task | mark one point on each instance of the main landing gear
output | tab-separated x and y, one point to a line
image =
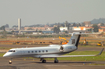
43	60
56	60
10	61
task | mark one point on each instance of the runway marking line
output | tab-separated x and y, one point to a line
88	65
55	65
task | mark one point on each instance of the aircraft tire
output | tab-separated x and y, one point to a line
43	61
10	62
55	61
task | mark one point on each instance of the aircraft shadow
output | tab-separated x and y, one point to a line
60	62
63	62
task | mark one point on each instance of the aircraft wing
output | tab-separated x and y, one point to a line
53	56
75	55
82	55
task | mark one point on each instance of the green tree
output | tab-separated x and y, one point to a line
95	28
56	30
102	24
2	28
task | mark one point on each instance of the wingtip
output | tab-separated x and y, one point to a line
100	52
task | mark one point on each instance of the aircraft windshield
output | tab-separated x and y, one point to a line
11	51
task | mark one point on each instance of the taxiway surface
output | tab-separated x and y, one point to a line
36	64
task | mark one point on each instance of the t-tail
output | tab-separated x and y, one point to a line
75	37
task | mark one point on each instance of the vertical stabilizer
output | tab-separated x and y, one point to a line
74	39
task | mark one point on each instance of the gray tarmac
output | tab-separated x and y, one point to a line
20	63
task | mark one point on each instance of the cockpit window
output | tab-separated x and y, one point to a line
11	51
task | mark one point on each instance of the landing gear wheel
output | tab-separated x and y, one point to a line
10	62
55	61
43	61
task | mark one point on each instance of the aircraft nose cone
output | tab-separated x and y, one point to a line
6	55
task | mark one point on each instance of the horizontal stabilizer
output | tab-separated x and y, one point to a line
100	52
79	33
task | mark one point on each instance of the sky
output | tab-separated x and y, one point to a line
34	12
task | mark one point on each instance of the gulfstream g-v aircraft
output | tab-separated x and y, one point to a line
51	51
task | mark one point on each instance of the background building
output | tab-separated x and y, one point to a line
19	24
79	28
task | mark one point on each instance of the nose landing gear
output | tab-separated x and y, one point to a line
10	61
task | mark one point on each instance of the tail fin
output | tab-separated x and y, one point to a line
74	39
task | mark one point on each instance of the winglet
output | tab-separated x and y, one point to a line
100	52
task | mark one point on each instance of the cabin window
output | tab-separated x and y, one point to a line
32	51
28	51
36	51
42	50
46	50
39	51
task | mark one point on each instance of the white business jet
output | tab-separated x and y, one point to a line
51	51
